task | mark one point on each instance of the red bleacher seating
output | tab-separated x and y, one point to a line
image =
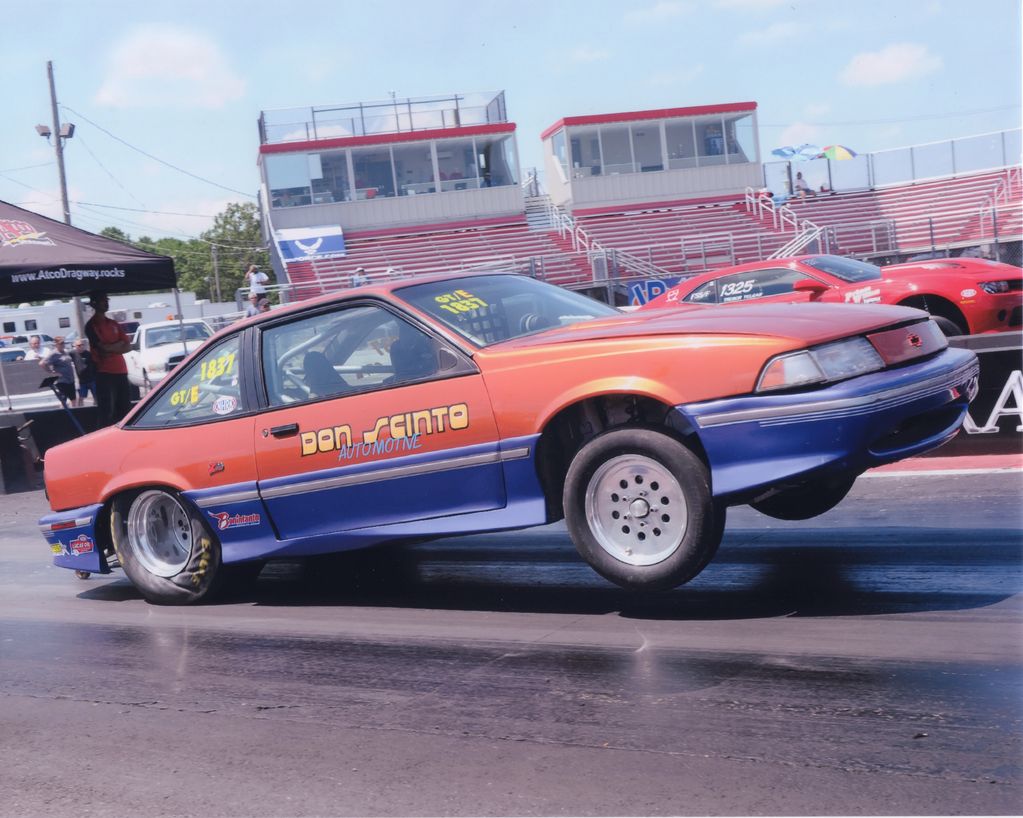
512	245
905	218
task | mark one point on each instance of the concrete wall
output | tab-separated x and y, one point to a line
667	185
402	211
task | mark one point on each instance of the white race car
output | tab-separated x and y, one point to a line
158	348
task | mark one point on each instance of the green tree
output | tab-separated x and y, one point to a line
238	242
235	240
116	234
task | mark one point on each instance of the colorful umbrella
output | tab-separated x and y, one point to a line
836	152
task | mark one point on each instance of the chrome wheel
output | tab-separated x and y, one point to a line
636	509
160	531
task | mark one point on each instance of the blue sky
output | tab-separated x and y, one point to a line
185	81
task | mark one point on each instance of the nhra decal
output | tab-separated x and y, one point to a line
226	519
643	292
14	232
80	545
387	430
864	295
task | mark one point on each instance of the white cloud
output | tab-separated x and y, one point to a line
168	66
899	62
683	76
773	35
658	12
587	54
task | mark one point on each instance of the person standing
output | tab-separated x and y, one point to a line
85	369
108	343
36	351
252	308
256	280
59	363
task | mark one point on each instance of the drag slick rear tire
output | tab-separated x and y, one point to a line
165	547
807	501
639	509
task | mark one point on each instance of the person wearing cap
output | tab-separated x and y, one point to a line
359	277
256	280
108	343
252	308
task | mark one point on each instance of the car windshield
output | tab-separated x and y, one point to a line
158	336
493	308
847	269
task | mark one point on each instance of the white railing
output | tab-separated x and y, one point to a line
809	235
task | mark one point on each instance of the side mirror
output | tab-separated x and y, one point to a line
810	286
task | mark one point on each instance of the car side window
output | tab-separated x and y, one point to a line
704	294
778	281
209	389
344	351
739	287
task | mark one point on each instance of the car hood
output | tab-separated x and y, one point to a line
806	323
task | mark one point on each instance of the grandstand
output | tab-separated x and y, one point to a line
649	194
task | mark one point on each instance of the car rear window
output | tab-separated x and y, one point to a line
847	269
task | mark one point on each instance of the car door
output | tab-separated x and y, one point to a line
371	420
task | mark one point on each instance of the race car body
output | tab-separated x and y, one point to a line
451	405
158	347
965	296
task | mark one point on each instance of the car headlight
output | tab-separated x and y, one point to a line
994	287
829	362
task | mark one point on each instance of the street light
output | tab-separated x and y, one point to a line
65	131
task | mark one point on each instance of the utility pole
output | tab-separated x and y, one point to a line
58	142
59	135
215	293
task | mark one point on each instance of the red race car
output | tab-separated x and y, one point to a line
965	296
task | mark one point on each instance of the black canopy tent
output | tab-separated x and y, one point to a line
42	258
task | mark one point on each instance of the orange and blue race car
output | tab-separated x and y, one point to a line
452	405
965	296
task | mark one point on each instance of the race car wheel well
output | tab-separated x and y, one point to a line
940	307
575	425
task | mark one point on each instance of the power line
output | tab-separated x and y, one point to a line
144	210
27	167
170	234
156	158
107	172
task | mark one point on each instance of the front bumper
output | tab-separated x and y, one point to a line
71	536
760	441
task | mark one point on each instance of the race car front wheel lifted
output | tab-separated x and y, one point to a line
165	547
639	509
